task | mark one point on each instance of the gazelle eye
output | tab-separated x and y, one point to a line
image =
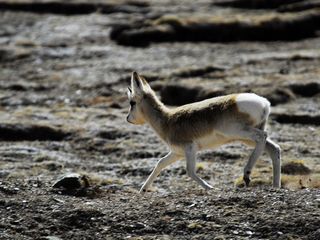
132	103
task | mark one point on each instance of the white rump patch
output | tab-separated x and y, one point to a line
257	107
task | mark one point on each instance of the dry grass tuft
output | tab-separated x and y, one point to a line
256	180
200	167
299	180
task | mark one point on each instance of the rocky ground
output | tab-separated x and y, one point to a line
64	69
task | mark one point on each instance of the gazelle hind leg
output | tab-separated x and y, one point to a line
259	137
274	152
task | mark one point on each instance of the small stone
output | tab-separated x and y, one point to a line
194	225
235	232
51	238
249	232
220	237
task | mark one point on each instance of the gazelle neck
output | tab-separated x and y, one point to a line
156	114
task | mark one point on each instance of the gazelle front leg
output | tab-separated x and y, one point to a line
161	164
190	152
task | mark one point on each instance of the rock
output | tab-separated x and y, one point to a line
72	181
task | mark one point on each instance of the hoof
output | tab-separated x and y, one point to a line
246	181
209	188
142	191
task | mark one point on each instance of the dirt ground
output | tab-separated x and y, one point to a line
64	70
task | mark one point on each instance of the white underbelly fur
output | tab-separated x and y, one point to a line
213	140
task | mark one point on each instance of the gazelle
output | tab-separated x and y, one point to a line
201	125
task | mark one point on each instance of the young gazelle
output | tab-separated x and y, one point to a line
206	124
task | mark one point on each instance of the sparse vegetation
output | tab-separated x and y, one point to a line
295	167
63	108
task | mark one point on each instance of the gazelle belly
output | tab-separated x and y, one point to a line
213	140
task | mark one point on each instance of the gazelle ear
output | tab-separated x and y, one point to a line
136	83
146	85
139	84
129	92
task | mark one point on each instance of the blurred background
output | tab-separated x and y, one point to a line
65	67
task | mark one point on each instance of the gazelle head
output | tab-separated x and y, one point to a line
136	93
